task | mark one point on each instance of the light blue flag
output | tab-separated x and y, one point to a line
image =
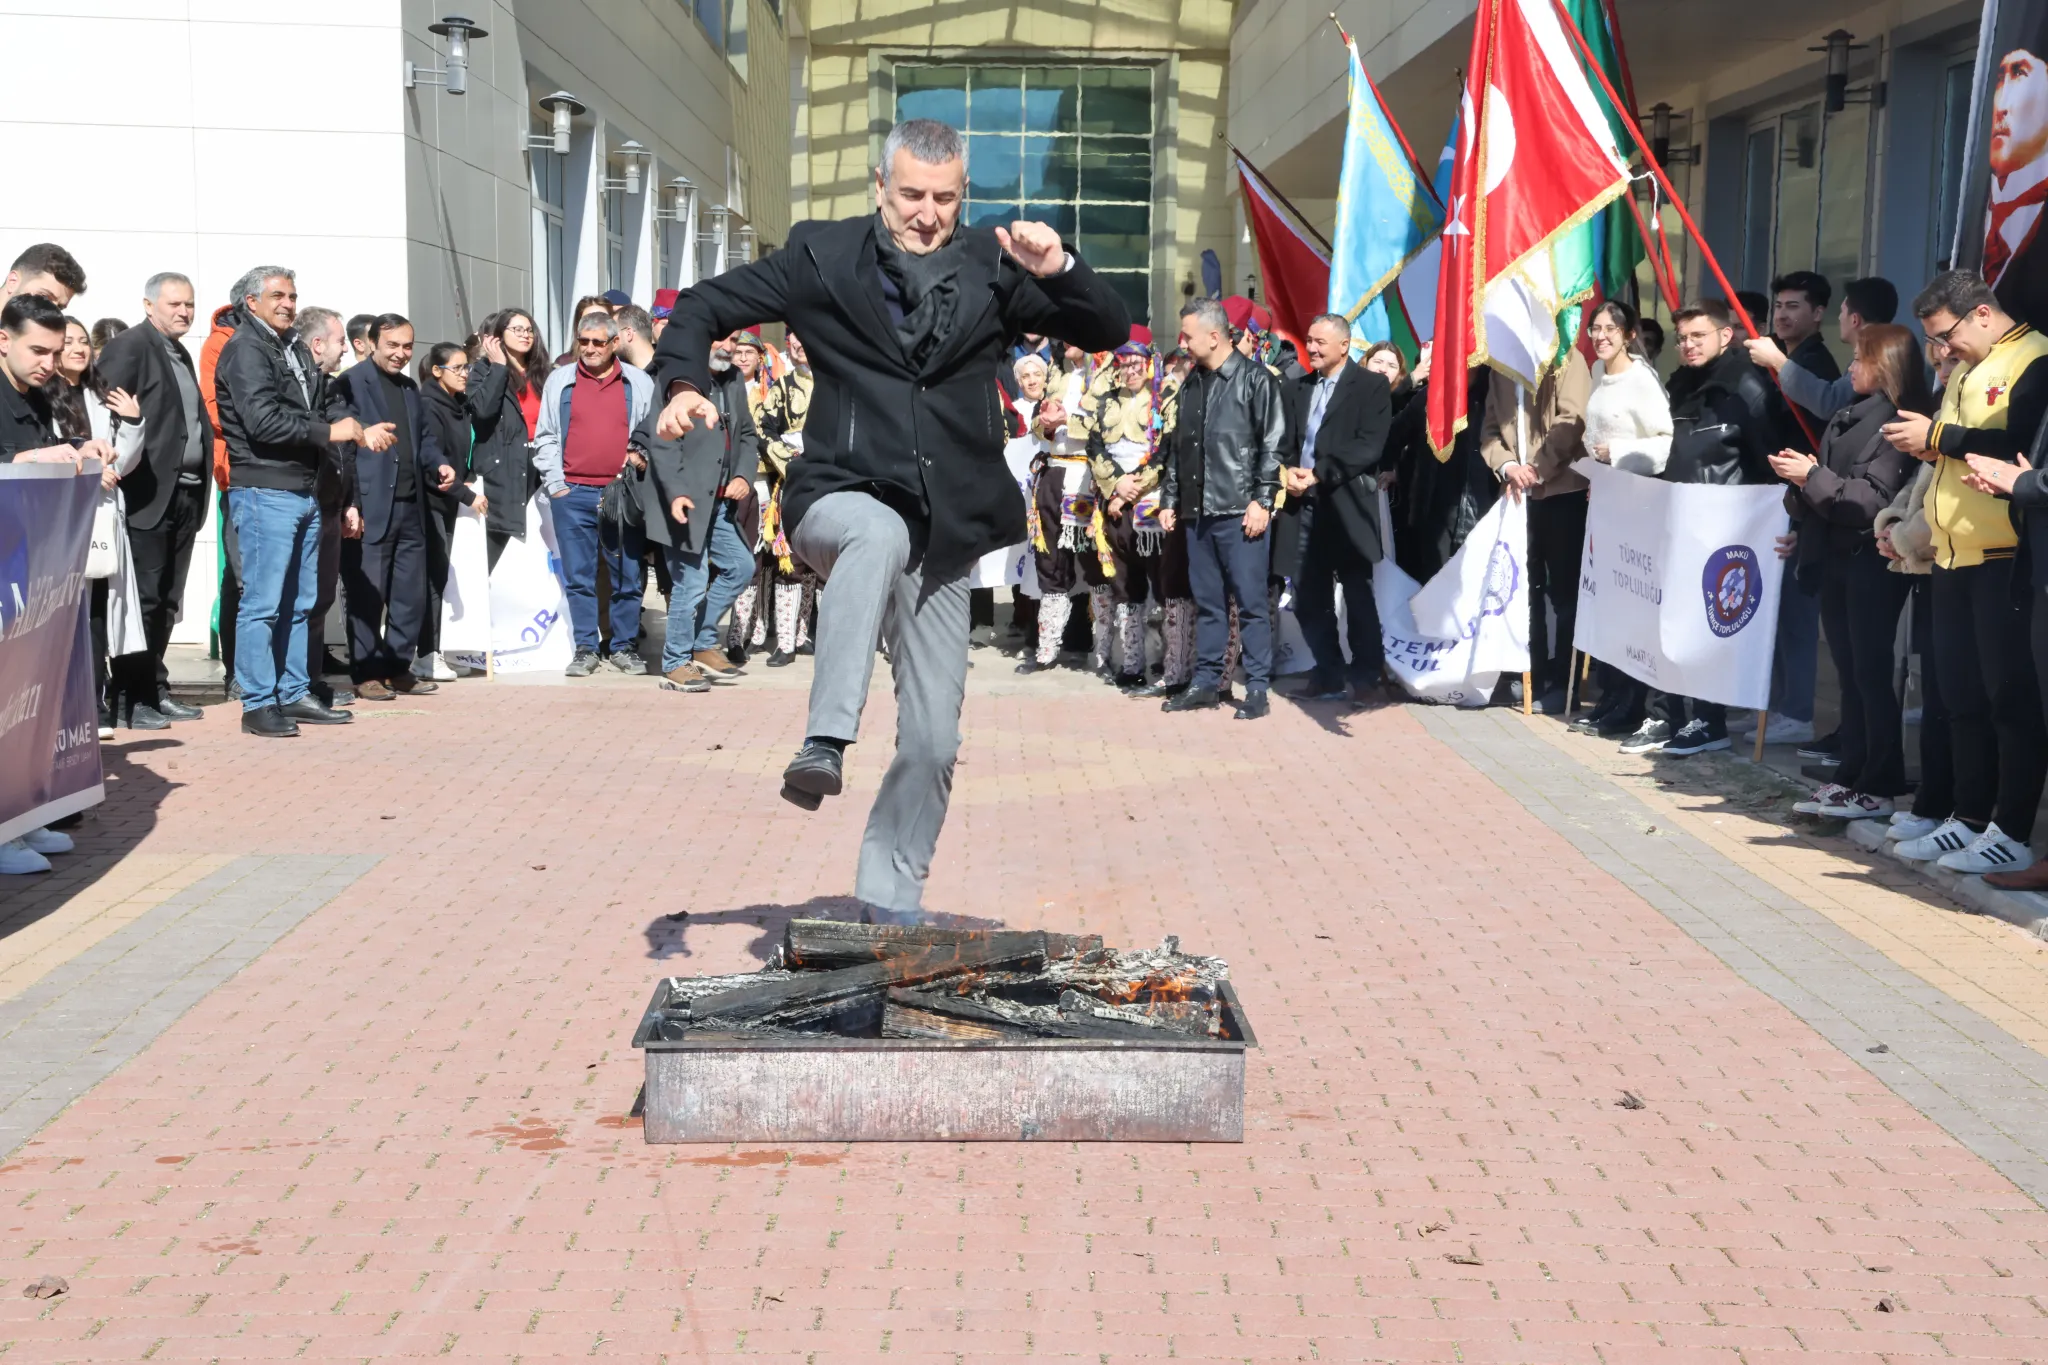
1385	217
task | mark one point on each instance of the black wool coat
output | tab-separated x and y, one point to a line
926	439
499	454
140	361
1351	452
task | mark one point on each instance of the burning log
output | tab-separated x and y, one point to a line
1033	1021
817	944
816	996
907	1021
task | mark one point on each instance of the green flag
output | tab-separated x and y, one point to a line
1620	243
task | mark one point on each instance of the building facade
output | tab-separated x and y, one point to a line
287	133
1778	177
1104	122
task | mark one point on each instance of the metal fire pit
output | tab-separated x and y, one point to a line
726	1087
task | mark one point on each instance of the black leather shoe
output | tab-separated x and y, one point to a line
1130	683
170	708
1254	705
270	722
143	716
1033	666
815	771
1194	699
310	710
1162	688
780	660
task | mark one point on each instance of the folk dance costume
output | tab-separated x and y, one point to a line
789	585
1170	582
1067	551
1118	429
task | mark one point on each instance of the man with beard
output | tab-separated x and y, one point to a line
907	315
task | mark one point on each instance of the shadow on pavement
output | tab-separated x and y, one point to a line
104	835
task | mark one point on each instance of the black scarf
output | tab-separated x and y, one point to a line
922	292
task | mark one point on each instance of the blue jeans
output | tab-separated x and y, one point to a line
1794	664
279	537
1224	564
583	539
703	586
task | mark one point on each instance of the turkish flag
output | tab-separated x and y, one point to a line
1535	158
1293	265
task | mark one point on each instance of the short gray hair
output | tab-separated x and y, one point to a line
252	283
154	285
1337	320
926	139
1027	362
313	322
1209	313
597	320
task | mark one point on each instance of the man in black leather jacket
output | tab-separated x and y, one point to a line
1725	428
1222	472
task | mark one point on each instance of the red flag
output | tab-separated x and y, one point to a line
1535	158
1295	268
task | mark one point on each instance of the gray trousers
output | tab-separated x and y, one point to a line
872	595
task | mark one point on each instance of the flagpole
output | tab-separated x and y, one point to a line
1414	162
1260	176
1521	494
1564	17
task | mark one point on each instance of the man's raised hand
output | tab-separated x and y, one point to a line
683	413
1034	246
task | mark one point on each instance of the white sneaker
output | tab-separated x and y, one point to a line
106	733
1906	825
1858	806
47	841
17	858
431	668
1832	794
1991	851
1950	836
1785	730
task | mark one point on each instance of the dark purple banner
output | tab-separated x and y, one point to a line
49	721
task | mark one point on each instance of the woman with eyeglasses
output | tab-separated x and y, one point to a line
506	371
443	373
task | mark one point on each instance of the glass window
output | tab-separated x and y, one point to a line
1760	178
711	14
550	245
736	36
938	92
1844	162
1955	130
1798	190
614	204
1052	100
1069	146
1116	99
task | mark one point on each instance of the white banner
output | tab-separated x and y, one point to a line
1010	566
528	615
1679	586
1478	609
466	597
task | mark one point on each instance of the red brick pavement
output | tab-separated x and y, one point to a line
400	1132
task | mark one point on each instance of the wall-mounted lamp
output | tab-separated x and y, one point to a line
683	189
746	238
1187	285
455	75
632	154
1660	139
1838	45
711	231
561	107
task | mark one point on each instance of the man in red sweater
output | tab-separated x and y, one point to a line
587	410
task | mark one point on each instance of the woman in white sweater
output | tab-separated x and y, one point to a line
1628	425
1628	418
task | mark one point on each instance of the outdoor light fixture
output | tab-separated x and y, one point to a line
561	106
454	76
746	238
632	153
1838	45
712	230
684	189
1660	139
